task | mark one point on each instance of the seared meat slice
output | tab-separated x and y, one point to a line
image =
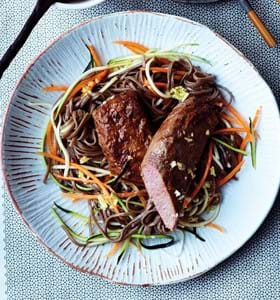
169	164
123	133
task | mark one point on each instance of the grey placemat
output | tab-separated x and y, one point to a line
251	273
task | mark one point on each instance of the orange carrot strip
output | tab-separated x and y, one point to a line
237	115
203	178
79	196
94	55
228	118
55	88
158	70
243	145
229	130
216	226
69	178
257	117
248	137
162	60
102	185
157	84
114	249
133	46
207	168
96	78
135	50
133	193
50	139
230	175
143	201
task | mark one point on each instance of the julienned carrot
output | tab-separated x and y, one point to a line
230	175
94	55
50	139
143	201
207	168
248	136
79	196
243	123
257	117
229	118
102	185
243	145
133	46
237	115
157	84
162	60
216	226
87	196
158	70
133	193
229	130
203	178
55	88
95	79
135	50
114	249
69	178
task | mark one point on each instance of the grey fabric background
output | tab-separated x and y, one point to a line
252	273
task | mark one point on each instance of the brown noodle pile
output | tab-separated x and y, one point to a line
138	213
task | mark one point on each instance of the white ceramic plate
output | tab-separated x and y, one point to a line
246	202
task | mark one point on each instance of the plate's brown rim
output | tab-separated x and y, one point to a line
4	122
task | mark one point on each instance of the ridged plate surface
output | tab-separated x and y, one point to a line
246	202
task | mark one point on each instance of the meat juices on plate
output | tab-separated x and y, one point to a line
123	133
176	148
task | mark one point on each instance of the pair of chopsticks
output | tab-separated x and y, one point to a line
255	19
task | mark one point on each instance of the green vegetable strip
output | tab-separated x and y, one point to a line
83	188
253	145
100	236
243	152
157	53
72	213
120	201
123	249
97	239
152	236
89	66
70	230
66	188
136	203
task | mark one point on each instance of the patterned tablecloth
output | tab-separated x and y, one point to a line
32	273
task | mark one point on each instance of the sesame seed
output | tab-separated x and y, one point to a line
173	164
212	171
177	193
180	166
189	140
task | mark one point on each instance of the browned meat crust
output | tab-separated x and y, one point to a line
123	132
